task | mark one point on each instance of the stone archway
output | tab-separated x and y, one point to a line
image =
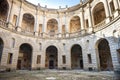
52	27
4	7
1	48
75	25
105	59
24	57
28	22
99	13
51	61
76	57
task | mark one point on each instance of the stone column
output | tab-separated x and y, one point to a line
9	19
90	22
107	11
82	18
44	23
67	26
116	4
36	25
9	12
59	27
20	16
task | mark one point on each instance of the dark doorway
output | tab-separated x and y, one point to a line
51	64
105	55
1	48
76	57
51	57
24	58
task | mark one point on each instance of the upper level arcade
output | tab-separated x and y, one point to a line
84	18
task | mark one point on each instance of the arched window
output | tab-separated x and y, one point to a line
4	6
99	13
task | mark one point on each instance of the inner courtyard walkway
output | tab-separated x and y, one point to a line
56	75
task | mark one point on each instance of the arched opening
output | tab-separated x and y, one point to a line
51	57
76	57
24	57
4	7
75	25
28	23
99	13
1	48
52	27
105	55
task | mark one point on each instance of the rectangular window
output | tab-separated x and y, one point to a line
38	59
86	23
64	59
89	58
112	6
63	29
40	44
14	20
40	28
9	61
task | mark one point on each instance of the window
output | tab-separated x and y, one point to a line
64	59
40	44
63	29
40	28
112	6
13	43
9	61
89	58
14	20
38	59
86	23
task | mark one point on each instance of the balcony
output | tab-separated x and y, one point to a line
28	32
63	36
3	23
99	26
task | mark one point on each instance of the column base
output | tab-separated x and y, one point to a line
90	30
18	29
59	35
36	33
107	20
10	26
116	13
67	34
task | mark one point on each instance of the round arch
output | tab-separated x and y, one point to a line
4	8
75	24
28	22
51	60
76	57
25	56
52	27
104	55
98	13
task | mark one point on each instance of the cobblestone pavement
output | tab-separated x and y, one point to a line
56	75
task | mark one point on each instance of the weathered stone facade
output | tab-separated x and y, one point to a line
37	28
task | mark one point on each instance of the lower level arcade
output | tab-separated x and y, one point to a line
59	57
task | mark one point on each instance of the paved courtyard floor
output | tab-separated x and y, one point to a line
56	75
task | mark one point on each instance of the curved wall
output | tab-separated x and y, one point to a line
87	37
